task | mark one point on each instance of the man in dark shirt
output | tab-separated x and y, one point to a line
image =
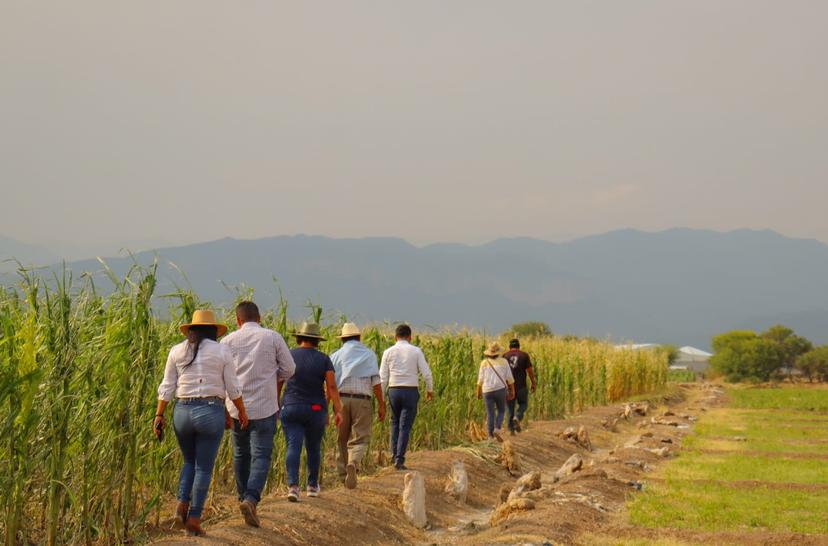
521	366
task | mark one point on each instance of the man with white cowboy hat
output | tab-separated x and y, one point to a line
357	376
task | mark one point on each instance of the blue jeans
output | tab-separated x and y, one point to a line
495	400
252	455
303	424
404	402
521	399
199	427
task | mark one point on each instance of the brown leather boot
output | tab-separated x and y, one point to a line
248	510
193	527
181	512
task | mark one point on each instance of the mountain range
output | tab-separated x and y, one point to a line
678	286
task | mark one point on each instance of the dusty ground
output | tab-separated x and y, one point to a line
578	509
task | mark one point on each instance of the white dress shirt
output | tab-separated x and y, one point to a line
211	374
400	365
495	374
261	359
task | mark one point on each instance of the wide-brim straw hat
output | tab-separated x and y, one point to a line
309	329
349	329
204	317
494	350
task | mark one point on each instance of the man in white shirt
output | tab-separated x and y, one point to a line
401	366
263	362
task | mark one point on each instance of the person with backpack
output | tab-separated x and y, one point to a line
495	385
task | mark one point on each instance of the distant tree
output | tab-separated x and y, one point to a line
742	355
814	364
672	353
531	329
790	345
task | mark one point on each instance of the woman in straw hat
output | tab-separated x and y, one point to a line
495	385
199	373
305	408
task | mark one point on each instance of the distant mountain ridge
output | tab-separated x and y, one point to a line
677	286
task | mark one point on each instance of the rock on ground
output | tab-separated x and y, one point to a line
413	499
457	485
572	465
513	506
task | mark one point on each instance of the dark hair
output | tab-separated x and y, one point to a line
403	331
198	333
514	344
312	340
247	311
351	338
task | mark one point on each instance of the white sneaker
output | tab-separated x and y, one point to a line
313	491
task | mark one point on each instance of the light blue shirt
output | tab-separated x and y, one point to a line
354	360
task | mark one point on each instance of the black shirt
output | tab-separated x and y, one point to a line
519	362
307	386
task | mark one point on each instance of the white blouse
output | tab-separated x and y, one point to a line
494	374
211	374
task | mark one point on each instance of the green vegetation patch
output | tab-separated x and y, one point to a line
796	398
695	465
714	507
702	489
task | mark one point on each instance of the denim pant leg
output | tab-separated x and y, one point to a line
522	398
500	406
488	399
208	421
396	408
510	405
261	447
241	456
314	432
294	428
185	434
404	405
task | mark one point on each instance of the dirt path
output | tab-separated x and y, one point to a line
623	452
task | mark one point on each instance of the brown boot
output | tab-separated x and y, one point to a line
193	527
181	512
248	510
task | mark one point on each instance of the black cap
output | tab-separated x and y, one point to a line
514	344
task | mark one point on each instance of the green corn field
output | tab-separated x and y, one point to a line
79	368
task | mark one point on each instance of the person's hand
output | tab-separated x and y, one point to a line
243	420
381	412
511	396
338	418
228	420
533	388
429	396
479	395
158	425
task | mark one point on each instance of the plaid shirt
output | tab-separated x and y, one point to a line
262	358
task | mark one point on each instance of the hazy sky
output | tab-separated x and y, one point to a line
430	120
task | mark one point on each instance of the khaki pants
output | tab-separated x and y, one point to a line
354	432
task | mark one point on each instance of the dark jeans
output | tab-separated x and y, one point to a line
404	402
199	426
521	400
252	455
495	400
303	424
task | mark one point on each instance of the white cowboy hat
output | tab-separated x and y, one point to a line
349	329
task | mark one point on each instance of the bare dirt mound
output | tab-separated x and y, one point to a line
610	448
